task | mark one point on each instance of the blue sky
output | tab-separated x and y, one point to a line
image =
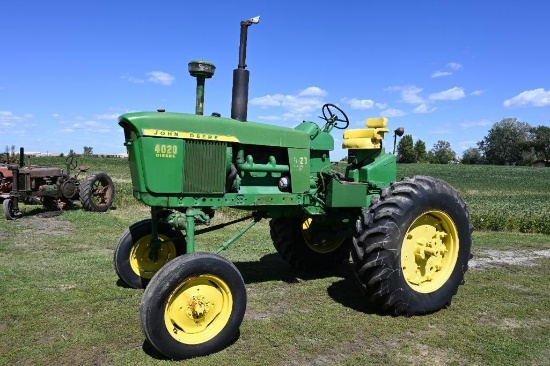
444	70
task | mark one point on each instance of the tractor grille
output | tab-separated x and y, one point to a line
204	167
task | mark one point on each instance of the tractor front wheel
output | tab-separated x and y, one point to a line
9	211
193	306
97	192
298	241
413	250
131	258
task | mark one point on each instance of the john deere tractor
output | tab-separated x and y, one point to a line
409	241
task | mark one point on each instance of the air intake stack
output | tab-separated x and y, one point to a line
201	70
239	101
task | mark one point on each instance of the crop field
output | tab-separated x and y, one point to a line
61	303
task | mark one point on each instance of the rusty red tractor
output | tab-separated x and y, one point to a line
52	187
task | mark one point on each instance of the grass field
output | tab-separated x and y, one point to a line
61	303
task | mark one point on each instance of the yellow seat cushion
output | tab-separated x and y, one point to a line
362	133
361	143
378	122
369	138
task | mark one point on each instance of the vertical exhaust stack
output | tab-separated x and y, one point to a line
239	100
21	157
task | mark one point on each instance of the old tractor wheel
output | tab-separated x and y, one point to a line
193	306
294	238
131	257
413	250
9	211
48	202
97	192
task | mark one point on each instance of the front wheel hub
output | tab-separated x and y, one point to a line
199	309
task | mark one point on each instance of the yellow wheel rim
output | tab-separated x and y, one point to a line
139	256
430	251
198	309
319	246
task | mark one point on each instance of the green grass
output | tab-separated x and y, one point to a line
61	304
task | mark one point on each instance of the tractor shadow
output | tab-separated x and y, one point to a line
344	290
31	210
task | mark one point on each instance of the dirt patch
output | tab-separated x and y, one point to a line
490	258
44	225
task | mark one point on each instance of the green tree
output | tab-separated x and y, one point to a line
88	151
471	156
540	141
441	153
505	142
420	148
405	150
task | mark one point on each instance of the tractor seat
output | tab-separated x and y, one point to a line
369	138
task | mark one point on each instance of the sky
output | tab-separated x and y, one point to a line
443	70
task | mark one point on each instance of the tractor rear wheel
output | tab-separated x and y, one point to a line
414	247
193	306
295	239
48	202
97	192
9	211
131	257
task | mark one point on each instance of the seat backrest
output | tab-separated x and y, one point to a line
378	122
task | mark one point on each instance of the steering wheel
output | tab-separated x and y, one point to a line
333	118
71	162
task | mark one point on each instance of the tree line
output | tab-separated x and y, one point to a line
508	142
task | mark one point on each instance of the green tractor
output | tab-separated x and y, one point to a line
409	240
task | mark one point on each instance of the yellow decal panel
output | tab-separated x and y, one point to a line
188	135
166	151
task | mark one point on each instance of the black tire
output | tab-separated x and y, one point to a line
48	202
7	205
97	192
413	247
131	261
289	238
193	306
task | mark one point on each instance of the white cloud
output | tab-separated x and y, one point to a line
111	116
481	123
267	101
536	98
312	91
381	105
359	103
156	77
451	65
450	94
133	79
442	131
423	108
410	95
160	77
86	126
9	119
439	74
298	106
270	118
392	113
477	92
454	66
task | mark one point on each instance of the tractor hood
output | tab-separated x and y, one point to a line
192	126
